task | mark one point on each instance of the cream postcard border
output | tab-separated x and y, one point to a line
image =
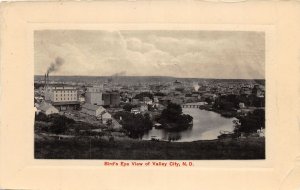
277	19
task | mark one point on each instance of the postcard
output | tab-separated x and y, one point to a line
160	95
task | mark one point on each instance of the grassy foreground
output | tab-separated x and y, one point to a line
84	148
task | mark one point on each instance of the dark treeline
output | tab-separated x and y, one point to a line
58	124
142	95
251	122
231	102
134	124
173	119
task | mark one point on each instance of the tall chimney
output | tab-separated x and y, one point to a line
45	81
47	78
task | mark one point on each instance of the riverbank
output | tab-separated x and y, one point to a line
129	149
224	113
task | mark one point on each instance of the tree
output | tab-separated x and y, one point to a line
227	102
159	94
60	124
173	119
141	95
135	124
209	100
252	122
172	112
42	117
128	107
109	122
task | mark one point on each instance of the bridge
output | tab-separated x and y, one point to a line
193	105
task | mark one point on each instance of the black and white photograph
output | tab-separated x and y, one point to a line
149	94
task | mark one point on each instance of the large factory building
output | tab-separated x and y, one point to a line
111	99
62	97
93	95
96	96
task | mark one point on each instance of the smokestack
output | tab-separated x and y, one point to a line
45	81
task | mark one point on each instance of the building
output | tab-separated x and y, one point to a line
105	117
256	91
106	99
47	109
143	107
147	100
261	132
62	97
193	105
93	95
242	105
135	110
210	96
114	99
176	85
81	99
111	99
135	101
61	94
93	110
245	91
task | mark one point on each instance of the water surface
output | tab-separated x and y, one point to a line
206	126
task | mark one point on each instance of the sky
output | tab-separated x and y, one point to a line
187	54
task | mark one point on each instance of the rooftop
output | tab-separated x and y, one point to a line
92	107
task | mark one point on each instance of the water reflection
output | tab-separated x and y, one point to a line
206	126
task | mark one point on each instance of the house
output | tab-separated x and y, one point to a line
135	101
176	100
47	108
155	99
159	107
245	110
157	125
93	110
242	105
144	107
256	91
261	132
147	100
209	95
245	91
135	110
36	110
105	116
81	99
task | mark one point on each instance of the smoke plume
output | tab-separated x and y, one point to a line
54	66
196	86
122	73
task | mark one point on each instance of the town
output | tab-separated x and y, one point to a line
118	108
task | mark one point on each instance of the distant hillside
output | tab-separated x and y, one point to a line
138	79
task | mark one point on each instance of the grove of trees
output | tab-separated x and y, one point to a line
231	102
141	95
135	124
251	123
173	119
58	123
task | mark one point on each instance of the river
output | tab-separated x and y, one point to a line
206	126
